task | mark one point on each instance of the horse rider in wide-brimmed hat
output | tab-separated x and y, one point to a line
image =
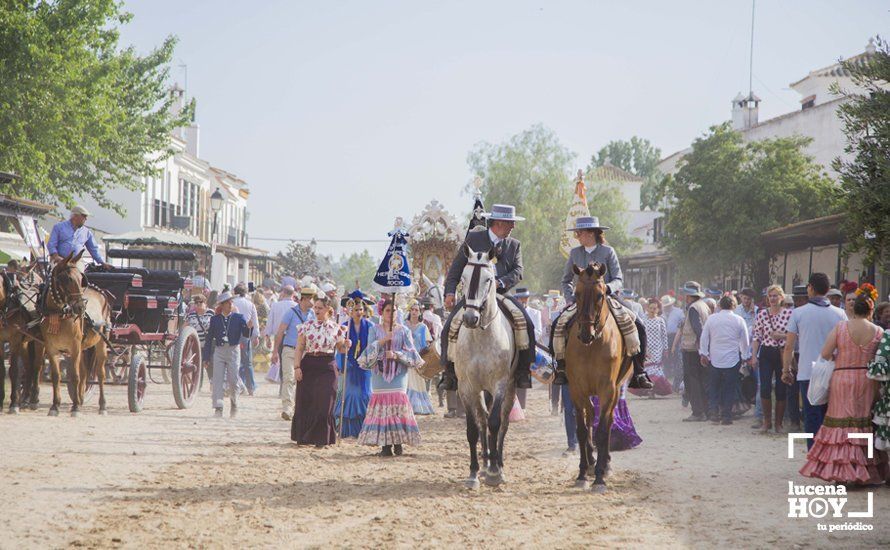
508	271
593	248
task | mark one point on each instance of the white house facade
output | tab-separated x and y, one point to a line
176	201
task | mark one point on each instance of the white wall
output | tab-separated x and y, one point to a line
820	123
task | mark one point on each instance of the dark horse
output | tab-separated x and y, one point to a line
75	317
25	349
596	365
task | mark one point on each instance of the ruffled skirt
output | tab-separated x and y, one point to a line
418	395
835	457
389	421
624	435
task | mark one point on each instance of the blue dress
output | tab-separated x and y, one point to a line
418	395
358	380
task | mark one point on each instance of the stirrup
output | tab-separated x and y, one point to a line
640	382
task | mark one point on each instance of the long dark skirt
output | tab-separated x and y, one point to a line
313	422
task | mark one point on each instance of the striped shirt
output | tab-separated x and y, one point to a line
201	323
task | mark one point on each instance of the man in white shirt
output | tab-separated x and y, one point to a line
724	346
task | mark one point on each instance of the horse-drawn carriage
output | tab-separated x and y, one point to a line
149	330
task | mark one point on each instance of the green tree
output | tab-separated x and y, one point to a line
300	260
727	193
533	171
78	114
607	202
639	157
357	268
865	178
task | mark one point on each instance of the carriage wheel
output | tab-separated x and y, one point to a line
92	381
186	368
138	382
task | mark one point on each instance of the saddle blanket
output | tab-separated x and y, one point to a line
624	317
513	313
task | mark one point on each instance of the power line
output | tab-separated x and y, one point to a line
281	239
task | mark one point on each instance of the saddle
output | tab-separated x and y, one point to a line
624	318
513	313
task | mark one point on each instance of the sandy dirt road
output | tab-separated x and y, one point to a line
171	478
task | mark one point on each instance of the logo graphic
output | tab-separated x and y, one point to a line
828	501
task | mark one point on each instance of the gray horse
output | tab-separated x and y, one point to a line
484	360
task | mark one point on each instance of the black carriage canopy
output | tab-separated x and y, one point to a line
151	254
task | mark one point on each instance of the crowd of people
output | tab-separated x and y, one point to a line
347	366
723	352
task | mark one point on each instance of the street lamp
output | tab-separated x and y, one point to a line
216	202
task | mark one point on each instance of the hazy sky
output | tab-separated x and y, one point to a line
343	115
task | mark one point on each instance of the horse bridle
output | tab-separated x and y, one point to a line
473	290
75	302
584	316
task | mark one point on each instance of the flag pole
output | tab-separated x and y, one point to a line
343	394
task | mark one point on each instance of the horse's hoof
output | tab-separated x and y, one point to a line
582	484
598	488
53	412
33	406
494	480
472	483
14	410
103	412
75	413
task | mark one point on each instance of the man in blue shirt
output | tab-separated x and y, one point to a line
286	340
71	236
809	325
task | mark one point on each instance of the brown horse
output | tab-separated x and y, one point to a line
74	317
596	365
25	351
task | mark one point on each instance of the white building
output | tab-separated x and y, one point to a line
817	119
176	202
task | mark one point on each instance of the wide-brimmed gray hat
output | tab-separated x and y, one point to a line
587	222
692	288
503	212
835	292
224	297
80	210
